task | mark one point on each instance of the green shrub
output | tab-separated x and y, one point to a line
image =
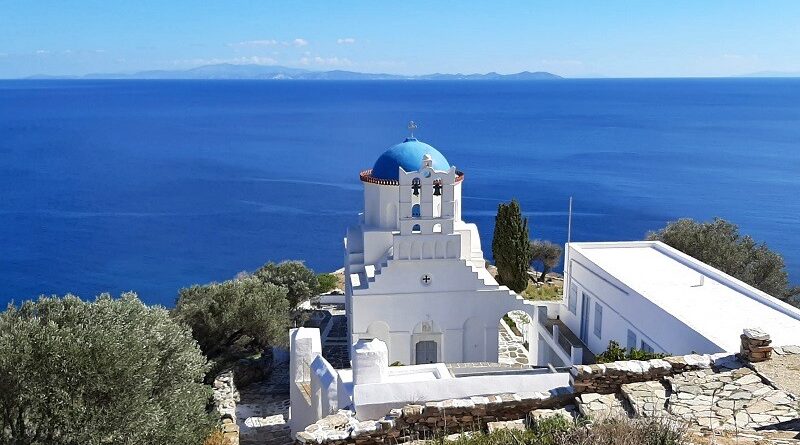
615	353
327	282
112	371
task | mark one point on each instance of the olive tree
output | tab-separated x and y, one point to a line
547	253
719	244
108	371
245	314
300	282
511	246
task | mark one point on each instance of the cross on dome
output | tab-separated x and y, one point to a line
411	127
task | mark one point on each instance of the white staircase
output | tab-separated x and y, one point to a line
362	274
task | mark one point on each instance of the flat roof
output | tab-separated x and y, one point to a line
707	300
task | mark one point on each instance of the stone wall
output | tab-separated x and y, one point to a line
413	422
609	377
225	397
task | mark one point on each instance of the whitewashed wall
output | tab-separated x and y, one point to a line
625	309
375	400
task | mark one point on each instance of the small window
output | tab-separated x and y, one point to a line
416	229
631	339
598	320
646	347
415	211
572	303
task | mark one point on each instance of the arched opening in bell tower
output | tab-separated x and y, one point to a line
437	198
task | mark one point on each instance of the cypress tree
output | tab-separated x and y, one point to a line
511	246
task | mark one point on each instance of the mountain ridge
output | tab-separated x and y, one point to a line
227	71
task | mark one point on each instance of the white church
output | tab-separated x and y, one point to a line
415	271
418	295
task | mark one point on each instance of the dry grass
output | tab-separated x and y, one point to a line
216	438
624	431
558	431
543	291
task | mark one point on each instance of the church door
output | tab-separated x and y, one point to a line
426	352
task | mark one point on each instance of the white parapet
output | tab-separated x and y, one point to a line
370	362
304	347
324	379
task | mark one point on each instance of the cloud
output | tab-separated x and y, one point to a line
346	41
42	51
254	43
264	43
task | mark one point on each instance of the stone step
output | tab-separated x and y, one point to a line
514	425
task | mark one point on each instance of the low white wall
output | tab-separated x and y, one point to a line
373	401
332	299
324	378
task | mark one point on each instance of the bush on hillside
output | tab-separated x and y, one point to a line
327	283
235	318
110	371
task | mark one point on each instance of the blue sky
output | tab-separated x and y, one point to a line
609	38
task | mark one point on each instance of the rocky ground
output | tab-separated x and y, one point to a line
725	404
783	370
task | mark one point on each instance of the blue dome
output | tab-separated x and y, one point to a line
408	155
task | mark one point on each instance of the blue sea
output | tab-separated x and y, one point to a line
155	185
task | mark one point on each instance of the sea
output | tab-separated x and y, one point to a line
151	186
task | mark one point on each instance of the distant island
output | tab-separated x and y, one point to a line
266	72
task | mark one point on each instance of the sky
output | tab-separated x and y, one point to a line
571	38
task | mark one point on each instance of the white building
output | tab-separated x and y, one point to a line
415	272
418	293
651	296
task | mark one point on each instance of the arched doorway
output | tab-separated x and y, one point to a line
512	346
